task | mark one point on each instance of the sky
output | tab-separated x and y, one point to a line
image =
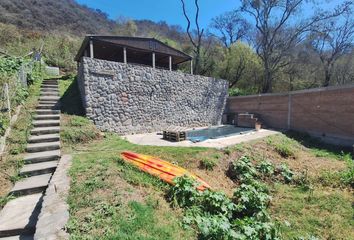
171	10
162	10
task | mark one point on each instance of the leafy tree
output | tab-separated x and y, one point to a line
241	66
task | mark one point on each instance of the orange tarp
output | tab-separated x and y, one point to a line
162	169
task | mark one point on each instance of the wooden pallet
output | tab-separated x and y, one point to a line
174	136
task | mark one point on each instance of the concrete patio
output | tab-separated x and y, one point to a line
155	139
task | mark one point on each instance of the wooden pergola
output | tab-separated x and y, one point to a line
133	50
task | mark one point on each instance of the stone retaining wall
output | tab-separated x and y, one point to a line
129	99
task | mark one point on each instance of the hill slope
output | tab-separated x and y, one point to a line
57	15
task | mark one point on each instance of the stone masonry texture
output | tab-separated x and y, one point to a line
130	99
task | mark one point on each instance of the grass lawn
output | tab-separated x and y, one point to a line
113	200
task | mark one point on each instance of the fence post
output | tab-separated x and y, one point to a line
8	99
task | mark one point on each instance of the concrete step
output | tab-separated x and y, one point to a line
47	106
44	138
41	147
53	103
35	169
49	94
42	156
31	185
47	111
49	98
47	117
45	130
46	123
53	85
50	90
19	216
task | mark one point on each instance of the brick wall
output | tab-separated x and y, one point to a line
324	112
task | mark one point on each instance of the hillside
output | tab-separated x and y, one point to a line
49	15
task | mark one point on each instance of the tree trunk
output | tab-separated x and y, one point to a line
267	83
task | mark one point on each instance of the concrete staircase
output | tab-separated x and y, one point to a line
19	216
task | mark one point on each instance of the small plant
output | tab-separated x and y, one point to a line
184	193
242	169
303	181
208	163
285	150
266	168
285	172
5	199
217	203
227	151
251	198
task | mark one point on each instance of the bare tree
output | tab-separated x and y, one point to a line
197	40
331	41
278	31
231	26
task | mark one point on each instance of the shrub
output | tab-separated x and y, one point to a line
242	169
208	163
184	193
285	172
251	198
254	229
266	168
217	203
285	150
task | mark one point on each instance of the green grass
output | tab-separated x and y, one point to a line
326	212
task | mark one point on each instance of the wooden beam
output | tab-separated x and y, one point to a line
153	59
125	54
91	49
170	62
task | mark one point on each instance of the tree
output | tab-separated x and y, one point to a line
240	66
125	27
332	40
197	41
231	27
278	32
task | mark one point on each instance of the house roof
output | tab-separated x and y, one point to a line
136	44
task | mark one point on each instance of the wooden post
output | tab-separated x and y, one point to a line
125	54
170	62
192	67
153	59
91	49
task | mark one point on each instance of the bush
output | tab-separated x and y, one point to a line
218	217
184	193
251	198
242	169
285	150
266	168
285	172
208	163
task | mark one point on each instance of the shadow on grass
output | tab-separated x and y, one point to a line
316	143
71	100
